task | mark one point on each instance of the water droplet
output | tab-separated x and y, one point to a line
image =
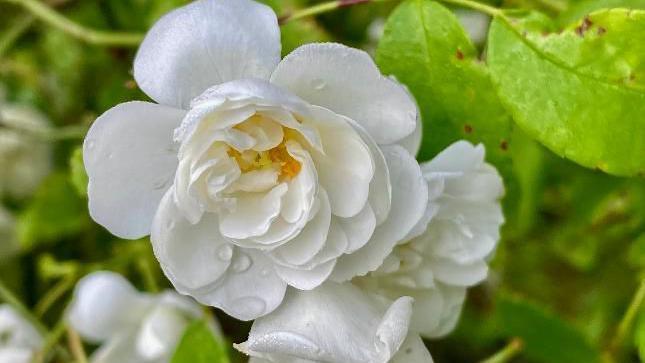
110	155
242	263
318	84
170	224
225	253
247	307
90	144
264	272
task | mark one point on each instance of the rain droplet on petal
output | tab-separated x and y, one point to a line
242	263
170	224
264	272
225	253
160	184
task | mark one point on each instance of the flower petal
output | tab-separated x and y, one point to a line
205	43
248	290
409	202
332	323
104	304
192	256
130	160
412	351
347	81
346	167
306	279
160	332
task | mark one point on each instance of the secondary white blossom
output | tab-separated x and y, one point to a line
336	323
253	173
448	251
19	340
131	327
24	160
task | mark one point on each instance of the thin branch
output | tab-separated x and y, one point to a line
625	326
510	351
321	8
76	346
89	35
487	9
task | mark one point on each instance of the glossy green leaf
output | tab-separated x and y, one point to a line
425	47
198	345
580	9
580	92
546	336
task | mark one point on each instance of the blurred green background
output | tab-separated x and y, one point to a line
569	265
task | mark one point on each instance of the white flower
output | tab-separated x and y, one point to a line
19	340
254	173
24	160
336	323
132	327
440	259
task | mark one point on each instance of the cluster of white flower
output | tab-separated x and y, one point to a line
19	339
287	192
131	327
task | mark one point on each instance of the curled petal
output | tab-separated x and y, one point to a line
332	323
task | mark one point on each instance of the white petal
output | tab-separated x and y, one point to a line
122	348
17	331
160	332
252	214
412	351
412	142
305	279
310	240
451	273
456	158
205	43
409	202
105	304
192	256
437	310
347	81
358	229
130	160
332	323
15	355
346	168
248	290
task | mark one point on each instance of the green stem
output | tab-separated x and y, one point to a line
8	297
76	346
148	274
322	8
55	293
625	326
487	9
19	27
51	342
92	36
512	349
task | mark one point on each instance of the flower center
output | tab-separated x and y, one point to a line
277	158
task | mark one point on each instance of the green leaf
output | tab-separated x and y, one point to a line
580	9
639	335
198	345
547	337
55	212
78	176
425	47
580	92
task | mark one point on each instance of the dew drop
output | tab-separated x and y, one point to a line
225	253
242	263
264	272
318	84
90	144
170	224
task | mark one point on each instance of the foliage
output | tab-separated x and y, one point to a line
556	94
